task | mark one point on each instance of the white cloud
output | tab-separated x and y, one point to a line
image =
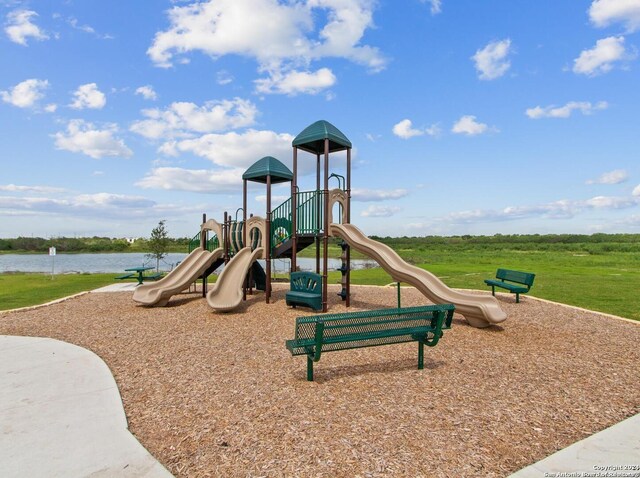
182	119
636	191
347	22
262	199
435	6
365	195
585	107
280	36
404	129
83	28
200	180
88	96
468	125
562	209
26	93
433	130
600	58
605	12
235	150
380	211
103	205
19	27
51	108
491	61
616	176
223	77
295	82
264	29
31	189
609	202
147	92
87	29
83	137
115	200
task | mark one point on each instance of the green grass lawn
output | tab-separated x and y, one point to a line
22	290
607	282
604	282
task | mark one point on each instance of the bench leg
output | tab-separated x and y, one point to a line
309	369
420	355
493	290
517	297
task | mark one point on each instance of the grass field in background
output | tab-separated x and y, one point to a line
22	289
607	281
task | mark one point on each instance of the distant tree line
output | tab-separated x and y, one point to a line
593	243
87	244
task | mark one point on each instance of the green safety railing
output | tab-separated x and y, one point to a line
309	219
212	244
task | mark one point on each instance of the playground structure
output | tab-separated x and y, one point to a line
304	219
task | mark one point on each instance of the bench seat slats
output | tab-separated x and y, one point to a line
342	342
506	285
335	332
516	282
125	276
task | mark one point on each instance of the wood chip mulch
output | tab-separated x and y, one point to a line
217	395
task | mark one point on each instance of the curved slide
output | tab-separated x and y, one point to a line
479	310
159	293
226	293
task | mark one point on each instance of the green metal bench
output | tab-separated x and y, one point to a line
125	276
327	333
518	282
306	289
153	276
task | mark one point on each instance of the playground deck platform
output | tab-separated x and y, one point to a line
488	403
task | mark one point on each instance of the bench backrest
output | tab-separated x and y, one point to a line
525	278
369	328
306	282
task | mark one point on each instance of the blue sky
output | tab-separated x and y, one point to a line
475	117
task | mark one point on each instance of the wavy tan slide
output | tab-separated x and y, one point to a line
479	310
226	293
159	293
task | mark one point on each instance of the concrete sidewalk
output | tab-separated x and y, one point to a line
61	415
119	287
597	455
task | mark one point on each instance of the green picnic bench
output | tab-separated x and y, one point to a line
306	289
125	276
154	276
327	333
515	282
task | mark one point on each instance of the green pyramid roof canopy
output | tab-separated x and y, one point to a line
265	167
312	138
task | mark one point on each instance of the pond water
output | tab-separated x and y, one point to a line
118	262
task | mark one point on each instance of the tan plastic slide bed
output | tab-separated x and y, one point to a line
479	310
159	293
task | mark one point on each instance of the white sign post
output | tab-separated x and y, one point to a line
52	253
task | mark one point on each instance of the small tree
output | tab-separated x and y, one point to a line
158	243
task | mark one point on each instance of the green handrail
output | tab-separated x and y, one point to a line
309	218
212	244
194	243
